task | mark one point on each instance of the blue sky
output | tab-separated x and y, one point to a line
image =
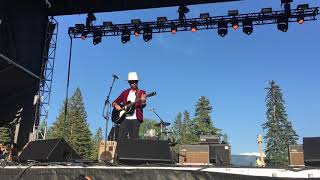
232	71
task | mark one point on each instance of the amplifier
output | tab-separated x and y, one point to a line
107	151
296	156
209	139
220	154
193	155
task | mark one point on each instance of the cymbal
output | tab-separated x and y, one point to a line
163	124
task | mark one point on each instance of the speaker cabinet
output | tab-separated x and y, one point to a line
107	151
311	149
296	155
193	155
141	151
220	154
52	150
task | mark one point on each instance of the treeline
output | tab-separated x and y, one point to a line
279	132
187	129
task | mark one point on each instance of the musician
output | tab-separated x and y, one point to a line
130	126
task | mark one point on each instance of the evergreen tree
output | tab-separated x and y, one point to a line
177	128
59	128
280	133
98	137
5	136
202	122
75	130
188	135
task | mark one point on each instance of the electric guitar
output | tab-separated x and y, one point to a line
118	116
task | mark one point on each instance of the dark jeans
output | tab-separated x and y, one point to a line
131	127
114	133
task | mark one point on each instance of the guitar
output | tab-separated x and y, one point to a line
118	116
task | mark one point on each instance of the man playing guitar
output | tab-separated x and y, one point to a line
131	124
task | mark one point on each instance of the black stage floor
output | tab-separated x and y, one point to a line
59	172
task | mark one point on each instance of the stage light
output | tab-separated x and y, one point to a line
173	29
135	21
147	34
204	15
136	32
84	35
302	7
194	27
266	10
233	13
247	26
300	20
97	37
283	24
108	24
222	28
79	27
235	25
162	19
90	18
125	35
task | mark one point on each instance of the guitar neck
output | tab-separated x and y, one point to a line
133	103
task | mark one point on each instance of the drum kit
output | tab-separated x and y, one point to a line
164	133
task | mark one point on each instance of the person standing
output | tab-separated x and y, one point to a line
130	126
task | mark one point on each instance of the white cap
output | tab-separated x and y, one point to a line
132	76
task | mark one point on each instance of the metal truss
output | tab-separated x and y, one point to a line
42	99
210	22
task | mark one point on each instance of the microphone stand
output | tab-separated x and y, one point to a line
106	108
161	122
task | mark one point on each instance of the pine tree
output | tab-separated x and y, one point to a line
98	137
177	128
188	135
76	129
280	133
59	128
202	122
5	136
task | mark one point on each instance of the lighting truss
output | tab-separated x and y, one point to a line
211	22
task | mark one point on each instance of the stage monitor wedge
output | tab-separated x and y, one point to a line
143	151
52	150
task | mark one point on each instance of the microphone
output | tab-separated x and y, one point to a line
115	76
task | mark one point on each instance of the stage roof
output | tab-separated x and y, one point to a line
68	7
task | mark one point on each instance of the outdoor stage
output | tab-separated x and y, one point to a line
59	172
